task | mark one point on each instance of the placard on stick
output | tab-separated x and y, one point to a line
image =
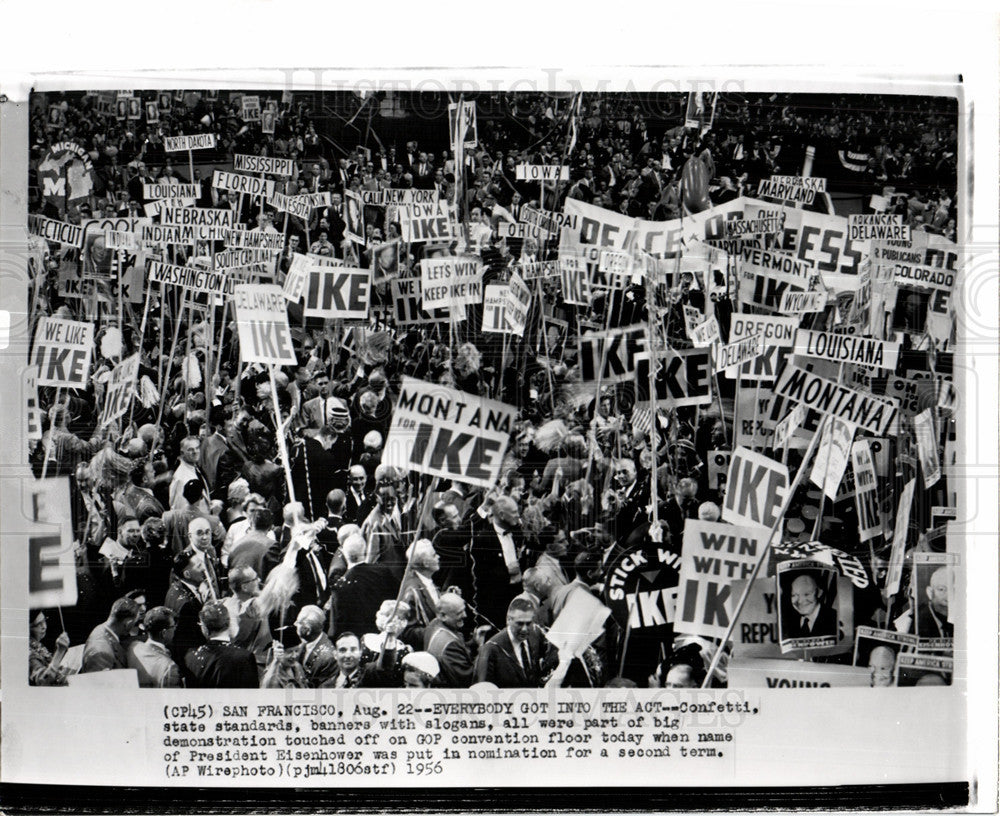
262	320
62	352
445	432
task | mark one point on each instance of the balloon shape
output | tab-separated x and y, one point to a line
694	178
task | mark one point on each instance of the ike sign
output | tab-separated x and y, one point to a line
757	488
449	433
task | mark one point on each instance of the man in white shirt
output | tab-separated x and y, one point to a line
187	469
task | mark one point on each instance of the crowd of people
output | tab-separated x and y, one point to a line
261	541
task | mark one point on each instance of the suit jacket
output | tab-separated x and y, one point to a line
218	664
492	589
497	663
632	511
932	625
218	464
103	651
452	653
358	595
321	664
824	625
153	664
186	606
355	511
420	600
311	583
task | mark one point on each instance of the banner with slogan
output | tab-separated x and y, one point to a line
250	108
120	389
542	172
617	349
495	309
262	321
765	276
518	303
195	141
243	163
407	299
792	674
448	433
426	222
190	277
683	377
822	239
51	550
755	489
453	280
59	232
641	589
62	352
712	557
739	352
865	491
831	456
846	348
160	191
237	183
866	411
779	337
704	334
295	281
338	292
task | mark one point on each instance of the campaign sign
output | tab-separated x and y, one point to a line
197	141
451	281
791	674
448	433
51	555
617	349
641	588
542	172
60	232
495	309
120	389
867	412
262	321
518	303
683	377
779	337
243	163
756	489
406	301
338	292
237	183
713	556
62	352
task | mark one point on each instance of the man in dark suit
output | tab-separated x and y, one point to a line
418	588
810	616
443	639
185	600
316	653
217	663
932	615
359	502
217	462
358	595
513	658
634	498
311	567
496	550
